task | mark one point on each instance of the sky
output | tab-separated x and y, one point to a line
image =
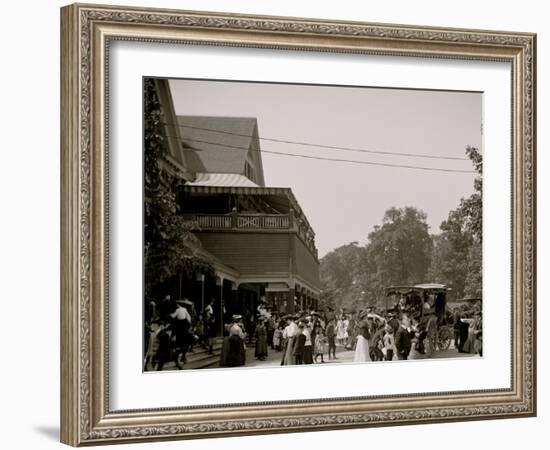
344	201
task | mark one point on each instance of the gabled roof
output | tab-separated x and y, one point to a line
221	151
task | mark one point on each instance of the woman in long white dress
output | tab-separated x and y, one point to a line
362	347
345	325
289	334
341	330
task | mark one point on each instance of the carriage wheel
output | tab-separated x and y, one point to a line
444	338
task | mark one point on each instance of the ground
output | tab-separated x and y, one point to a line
200	359
343	356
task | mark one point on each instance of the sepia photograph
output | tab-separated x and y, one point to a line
294	224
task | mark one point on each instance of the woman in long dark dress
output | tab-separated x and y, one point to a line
260	333
236	355
464	327
233	350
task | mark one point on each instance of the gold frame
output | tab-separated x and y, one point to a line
86	31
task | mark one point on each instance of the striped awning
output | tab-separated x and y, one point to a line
222	179
203	184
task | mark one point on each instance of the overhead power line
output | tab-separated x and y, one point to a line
322	158
333	147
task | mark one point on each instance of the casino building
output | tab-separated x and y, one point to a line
257	238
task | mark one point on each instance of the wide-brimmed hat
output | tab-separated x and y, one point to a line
236	317
184	301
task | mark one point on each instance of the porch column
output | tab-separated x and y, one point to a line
234	295
219	282
290	303
200	278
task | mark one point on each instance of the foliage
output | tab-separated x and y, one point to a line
397	252
341	274
170	247
450	257
473	284
472	207
401	251
456	259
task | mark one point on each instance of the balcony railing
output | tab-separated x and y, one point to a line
271	222
246	221
239	221
213	221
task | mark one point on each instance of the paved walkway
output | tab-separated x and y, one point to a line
274	358
344	356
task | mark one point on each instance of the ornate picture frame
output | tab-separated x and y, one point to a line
86	34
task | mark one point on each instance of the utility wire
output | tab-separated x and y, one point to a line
321	158
334	147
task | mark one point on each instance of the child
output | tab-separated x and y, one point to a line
389	343
200	331
277	336
320	344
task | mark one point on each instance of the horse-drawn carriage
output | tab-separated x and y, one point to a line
427	304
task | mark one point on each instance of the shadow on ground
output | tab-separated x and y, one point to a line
51	432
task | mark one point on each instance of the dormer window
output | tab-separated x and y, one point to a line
249	171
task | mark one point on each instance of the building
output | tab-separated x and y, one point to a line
257	238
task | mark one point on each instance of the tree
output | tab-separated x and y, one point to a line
169	244
450	256
402	252
398	252
474	279
472	207
341	274
441	269
456	259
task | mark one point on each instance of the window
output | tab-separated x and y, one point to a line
249	171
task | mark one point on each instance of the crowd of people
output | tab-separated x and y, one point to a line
307	337
468	333
173	328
